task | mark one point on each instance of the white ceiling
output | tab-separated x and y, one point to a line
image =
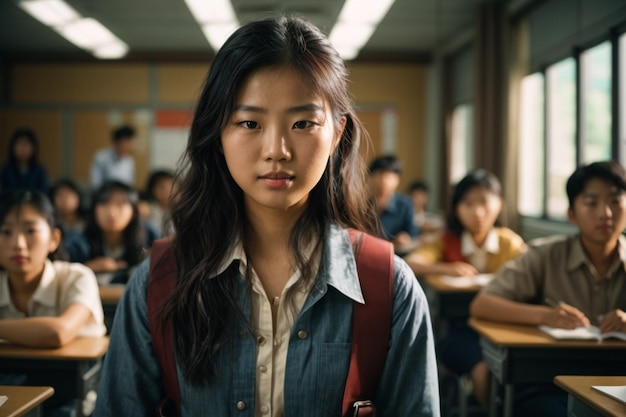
411	29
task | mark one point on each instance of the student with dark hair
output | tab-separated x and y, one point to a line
116	238
156	202
67	200
265	280
45	301
116	162
23	170
394	209
584	275
472	244
428	223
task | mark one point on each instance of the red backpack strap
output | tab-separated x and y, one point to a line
371	322
162	281
452	248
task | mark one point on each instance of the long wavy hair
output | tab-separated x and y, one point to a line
208	212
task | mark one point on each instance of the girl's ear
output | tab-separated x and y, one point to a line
339	133
55	240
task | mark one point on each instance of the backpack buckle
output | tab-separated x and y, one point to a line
363	408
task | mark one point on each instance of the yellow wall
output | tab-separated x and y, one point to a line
93	98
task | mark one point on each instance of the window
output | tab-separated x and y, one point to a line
531	146
595	90
561	133
462	142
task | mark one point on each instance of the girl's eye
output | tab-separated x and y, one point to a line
5	232
302	124
249	124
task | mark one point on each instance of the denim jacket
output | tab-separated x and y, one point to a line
317	359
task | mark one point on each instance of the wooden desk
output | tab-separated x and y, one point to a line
110	296
584	401
23	400
76	366
518	353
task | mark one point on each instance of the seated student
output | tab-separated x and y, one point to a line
471	245
155	204
116	238
23	169
585	273
428	223
67	200
44	302
395	209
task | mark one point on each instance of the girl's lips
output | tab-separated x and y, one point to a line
19	259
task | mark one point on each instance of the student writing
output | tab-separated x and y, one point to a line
585	274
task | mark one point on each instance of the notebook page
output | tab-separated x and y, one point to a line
617	392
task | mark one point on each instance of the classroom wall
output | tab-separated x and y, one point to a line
73	108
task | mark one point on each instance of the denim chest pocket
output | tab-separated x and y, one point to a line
332	371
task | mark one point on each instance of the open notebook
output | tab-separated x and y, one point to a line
477	280
617	392
581	333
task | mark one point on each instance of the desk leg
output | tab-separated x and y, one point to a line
508	400
493	403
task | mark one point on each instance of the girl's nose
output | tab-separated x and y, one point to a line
276	146
20	240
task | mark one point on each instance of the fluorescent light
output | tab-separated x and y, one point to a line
353	34
84	32
111	51
217	33
216	18
87	33
357	22
205	11
49	12
364	11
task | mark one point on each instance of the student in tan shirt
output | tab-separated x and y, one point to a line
584	274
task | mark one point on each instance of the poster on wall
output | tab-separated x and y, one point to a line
169	139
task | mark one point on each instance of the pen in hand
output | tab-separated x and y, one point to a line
565	316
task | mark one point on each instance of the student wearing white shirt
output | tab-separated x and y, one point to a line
116	162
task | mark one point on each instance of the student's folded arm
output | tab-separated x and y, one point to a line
46	332
495	308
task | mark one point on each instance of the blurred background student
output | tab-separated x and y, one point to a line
116	237
44	301
155	202
394	209
428	223
67	200
472	244
115	163
23	170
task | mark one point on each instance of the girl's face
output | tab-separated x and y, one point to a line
115	213
23	149
162	190
478	210
66	200
25	242
278	140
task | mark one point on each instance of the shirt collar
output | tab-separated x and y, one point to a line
337	266
578	256
45	294
392	206
491	245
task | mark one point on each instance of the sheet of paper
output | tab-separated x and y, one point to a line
477	280
591	332
617	392
3	399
